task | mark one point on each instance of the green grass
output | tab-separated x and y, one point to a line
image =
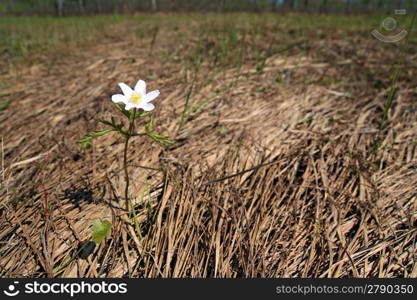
20	36
214	40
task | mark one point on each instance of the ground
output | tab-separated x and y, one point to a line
283	163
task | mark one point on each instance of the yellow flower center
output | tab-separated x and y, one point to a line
136	98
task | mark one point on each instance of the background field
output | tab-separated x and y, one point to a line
283	163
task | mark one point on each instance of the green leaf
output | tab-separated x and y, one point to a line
123	110
100	230
97	133
87	140
116	127
106	122
4	105
142	114
160	139
150	124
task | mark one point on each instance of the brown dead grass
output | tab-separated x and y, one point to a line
266	180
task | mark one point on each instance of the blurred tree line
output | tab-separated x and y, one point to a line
81	7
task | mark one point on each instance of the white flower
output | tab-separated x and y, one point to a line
137	98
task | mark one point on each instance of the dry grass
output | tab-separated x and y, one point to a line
283	172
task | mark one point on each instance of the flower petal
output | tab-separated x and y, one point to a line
119	98
127	91
140	87
129	106
147	106
151	96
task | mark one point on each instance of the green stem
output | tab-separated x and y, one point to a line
129	135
